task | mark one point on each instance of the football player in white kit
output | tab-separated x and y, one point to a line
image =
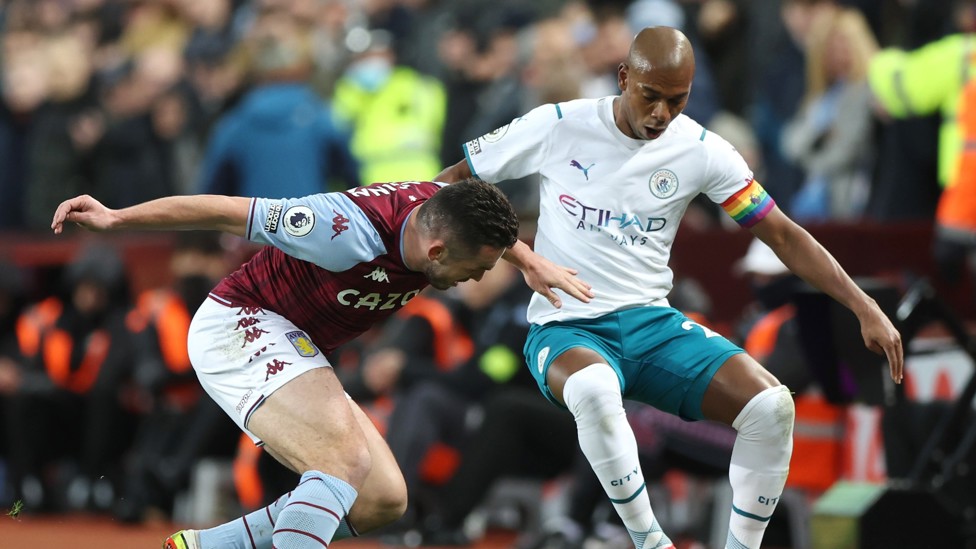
617	174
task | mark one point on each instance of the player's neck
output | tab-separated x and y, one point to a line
412	245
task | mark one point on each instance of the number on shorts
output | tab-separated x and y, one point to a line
689	325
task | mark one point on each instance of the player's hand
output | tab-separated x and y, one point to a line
84	211
881	337
543	275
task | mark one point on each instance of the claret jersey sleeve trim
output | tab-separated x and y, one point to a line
329	230
749	205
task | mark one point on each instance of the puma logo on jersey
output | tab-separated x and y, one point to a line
378	275
586	170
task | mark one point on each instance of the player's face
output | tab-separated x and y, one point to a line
449	271
651	99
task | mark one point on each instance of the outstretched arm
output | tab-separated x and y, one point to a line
210	212
540	274
810	261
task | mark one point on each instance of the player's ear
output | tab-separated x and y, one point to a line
437	251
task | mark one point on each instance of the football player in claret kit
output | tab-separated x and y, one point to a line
617	174
336	264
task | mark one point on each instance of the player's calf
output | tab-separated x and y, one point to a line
760	464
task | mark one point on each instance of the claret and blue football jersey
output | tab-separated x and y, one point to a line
610	205
334	266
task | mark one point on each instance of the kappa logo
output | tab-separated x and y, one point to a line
586	170
299	221
543	355
274	367
274	216
378	275
340	224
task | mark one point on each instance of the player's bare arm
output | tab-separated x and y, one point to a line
810	261
540	274
208	212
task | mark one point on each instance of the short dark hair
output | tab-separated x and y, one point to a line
470	214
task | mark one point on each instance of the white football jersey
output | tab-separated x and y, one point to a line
610	205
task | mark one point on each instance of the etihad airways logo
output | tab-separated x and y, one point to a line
378	275
624	228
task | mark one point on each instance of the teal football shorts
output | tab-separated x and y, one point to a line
661	357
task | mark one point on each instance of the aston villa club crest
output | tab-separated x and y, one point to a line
301	342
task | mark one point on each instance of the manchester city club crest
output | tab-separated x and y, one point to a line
663	183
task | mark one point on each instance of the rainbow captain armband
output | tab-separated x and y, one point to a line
749	205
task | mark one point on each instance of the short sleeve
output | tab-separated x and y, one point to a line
732	185
329	230
514	150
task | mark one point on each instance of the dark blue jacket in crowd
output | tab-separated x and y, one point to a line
278	142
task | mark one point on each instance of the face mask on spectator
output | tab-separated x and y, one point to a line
370	74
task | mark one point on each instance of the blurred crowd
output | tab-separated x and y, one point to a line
130	100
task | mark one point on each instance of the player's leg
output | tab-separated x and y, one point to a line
750	399
310	427
383	495
382	499
581	379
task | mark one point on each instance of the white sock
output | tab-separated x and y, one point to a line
607	440
760	464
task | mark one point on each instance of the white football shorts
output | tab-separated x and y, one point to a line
243	354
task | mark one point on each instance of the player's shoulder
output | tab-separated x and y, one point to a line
582	108
689	129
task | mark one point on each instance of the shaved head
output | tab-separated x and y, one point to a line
660	48
654	81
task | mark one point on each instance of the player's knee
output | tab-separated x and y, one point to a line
351	462
383	504
768	419
593	393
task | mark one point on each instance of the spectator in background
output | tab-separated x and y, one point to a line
938	77
177	424
831	136
768	330
24	92
394	114
127	159
77	359
13	298
65	128
280	140
780	86
437	411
